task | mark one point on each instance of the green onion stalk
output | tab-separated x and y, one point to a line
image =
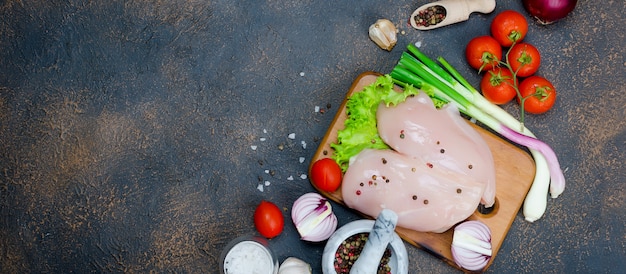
416	69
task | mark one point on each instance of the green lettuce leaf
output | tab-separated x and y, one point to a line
360	131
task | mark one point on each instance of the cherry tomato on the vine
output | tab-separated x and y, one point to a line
326	174
483	52
268	219
497	86
540	94
525	59
509	26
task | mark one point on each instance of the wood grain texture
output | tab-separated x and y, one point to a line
515	171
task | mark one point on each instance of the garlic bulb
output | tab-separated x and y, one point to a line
293	265
383	33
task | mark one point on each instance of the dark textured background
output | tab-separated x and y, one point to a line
126	128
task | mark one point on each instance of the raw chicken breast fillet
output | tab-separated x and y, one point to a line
441	137
438	172
423	200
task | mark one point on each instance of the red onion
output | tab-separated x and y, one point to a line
313	217
549	11
471	245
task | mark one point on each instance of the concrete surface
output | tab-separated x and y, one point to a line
126	128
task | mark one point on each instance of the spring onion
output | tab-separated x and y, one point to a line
557	186
416	69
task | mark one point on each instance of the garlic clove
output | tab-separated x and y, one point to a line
383	33
293	265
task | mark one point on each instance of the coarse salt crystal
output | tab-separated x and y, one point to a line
302	73
292	136
267	183
303	176
253	147
262	139
260	187
267	171
317	109
264	130
418	44
301	160
303	144
290	178
248	257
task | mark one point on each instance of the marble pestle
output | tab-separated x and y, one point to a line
377	242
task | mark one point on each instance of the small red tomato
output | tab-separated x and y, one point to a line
509	26
326	174
497	86
525	59
483	52
539	94
268	219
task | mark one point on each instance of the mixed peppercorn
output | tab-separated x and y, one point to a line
349	251
430	16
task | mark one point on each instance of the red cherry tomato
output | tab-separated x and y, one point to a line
483	52
525	59
509	26
540	94
268	219
326	174
497	86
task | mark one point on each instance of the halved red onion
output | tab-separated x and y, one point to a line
471	245
313	217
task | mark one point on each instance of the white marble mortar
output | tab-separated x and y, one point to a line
398	262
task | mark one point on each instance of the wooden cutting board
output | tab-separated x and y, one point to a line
515	170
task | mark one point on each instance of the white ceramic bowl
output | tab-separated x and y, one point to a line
398	261
247	253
